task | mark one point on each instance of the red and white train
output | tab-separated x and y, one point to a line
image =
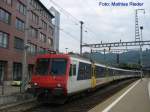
64	75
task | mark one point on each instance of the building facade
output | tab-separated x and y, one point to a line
56	29
40	37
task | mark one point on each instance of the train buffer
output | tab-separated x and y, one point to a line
134	98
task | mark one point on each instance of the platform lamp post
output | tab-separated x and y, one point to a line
91	53
137	35
24	72
141	54
81	36
141	28
66	50
24	79
104	55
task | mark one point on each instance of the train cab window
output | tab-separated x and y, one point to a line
58	66
72	70
42	66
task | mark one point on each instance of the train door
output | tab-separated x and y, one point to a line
72	76
106	74
93	78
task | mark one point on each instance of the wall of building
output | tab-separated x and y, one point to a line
11	55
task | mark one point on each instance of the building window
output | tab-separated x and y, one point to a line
3	68
5	16
17	71
41	11
51	30
9	2
32	48
42	37
18	43
20	25
50	41
33	32
21	8
51	20
3	39
44	25
34	18
34	4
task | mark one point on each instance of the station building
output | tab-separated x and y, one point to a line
13	16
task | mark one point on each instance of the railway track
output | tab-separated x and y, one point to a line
85	102
81	103
20	106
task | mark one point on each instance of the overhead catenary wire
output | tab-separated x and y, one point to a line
67	14
87	27
74	19
67	33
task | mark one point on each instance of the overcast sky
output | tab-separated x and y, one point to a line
107	24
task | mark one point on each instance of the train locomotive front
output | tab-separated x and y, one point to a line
50	77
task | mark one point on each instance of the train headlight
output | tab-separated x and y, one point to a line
58	85
35	84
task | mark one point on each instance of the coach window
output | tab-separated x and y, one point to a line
113	72
70	73
110	72
72	70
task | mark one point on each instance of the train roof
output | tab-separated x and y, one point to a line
81	58
99	64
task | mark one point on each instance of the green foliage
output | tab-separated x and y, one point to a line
130	60
129	66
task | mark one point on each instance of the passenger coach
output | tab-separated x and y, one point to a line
62	75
